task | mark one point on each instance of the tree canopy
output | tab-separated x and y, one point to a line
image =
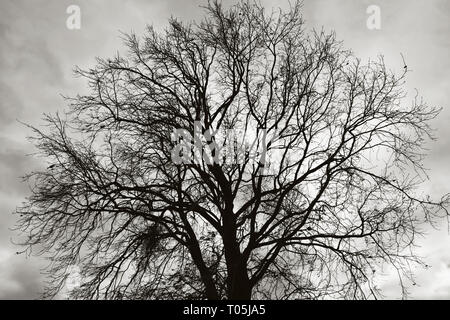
324	192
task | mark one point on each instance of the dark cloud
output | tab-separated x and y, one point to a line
14	164
20	278
10	104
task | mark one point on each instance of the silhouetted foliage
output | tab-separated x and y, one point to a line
331	197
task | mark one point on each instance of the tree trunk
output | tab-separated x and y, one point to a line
208	282
238	283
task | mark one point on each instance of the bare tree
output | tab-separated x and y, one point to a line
326	193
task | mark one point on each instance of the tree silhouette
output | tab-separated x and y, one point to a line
238	157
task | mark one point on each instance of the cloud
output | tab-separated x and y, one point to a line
14	164
20	278
10	104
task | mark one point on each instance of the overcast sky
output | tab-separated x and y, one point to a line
38	53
